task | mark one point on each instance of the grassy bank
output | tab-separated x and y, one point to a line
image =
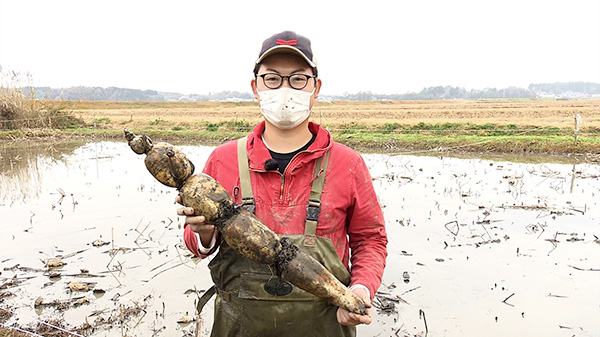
518	140
509	126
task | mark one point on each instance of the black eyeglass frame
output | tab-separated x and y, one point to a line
287	77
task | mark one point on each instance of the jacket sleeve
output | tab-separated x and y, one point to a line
191	242
366	231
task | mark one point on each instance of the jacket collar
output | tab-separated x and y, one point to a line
258	152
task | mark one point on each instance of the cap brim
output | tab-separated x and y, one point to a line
285	50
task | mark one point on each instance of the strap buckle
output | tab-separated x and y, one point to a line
248	204
313	209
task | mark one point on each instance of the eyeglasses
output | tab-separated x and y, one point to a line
296	81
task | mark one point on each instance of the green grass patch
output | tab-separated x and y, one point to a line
103	120
390	127
212	127
157	121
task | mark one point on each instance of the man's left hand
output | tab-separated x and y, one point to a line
345	317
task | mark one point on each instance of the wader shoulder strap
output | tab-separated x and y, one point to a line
245	185
204	299
314	202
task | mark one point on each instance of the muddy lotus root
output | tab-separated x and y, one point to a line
239	228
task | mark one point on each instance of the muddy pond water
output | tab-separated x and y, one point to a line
90	240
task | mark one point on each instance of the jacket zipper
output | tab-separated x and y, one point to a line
281	189
283	175
282	182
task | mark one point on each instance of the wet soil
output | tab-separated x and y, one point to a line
90	245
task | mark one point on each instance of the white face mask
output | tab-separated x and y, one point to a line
285	108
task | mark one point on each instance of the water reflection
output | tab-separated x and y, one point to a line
22	166
489	246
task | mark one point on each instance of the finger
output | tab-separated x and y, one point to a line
365	320
356	319
196	220
361	319
202	229
345	318
184	211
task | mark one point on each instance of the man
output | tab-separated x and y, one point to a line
287	157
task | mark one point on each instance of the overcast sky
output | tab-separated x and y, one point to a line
198	46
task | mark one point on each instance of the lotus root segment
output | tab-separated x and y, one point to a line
239	228
308	274
166	163
139	144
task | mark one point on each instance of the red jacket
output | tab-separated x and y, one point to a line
350	213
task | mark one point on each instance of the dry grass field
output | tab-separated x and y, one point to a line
195	115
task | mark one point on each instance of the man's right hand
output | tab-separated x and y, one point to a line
196	223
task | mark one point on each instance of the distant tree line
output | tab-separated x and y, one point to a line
95	94
124	94
571	89
439	92
586	88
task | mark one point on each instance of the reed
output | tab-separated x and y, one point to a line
19	108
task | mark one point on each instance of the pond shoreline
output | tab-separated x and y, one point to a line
461	146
